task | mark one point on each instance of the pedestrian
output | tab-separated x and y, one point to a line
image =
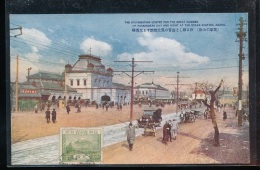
174	128
130	135
165	133
68	108
170	130
43	106
224	115
53	116
47	115
107	105
36	108
78	108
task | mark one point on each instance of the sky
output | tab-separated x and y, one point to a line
204	49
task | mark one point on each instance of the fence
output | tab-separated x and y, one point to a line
26	105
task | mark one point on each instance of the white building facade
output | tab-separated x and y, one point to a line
152	91
90	78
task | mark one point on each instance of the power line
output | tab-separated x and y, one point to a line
132	76
177	88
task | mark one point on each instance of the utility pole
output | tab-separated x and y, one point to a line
28	73
65	87
241	36
16	84
177	88
132	76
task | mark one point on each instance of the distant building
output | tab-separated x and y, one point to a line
51	86
152	91
28	96
198	95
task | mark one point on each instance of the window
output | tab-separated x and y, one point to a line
71	82
78	82
85	82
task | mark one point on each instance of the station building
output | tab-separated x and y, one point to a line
89	77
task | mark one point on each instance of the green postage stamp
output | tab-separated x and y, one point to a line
81	145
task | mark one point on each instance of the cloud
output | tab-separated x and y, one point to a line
33	56
62	61
50	30
34	49
167	51
64	41
22	72
98	48
36	38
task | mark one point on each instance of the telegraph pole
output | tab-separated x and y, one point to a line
177	88
132	76
28	73
196	85
65	87
17	67
241	36
16	84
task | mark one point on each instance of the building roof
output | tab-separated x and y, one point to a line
47	76
29	87
52	86
34	95
199	92
90	63
119	86
151	86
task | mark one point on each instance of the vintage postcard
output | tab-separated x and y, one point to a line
129	88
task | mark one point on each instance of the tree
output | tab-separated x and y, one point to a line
207	88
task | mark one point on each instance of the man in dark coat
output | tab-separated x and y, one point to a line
165	133
53	114
47	113
68	108
130	134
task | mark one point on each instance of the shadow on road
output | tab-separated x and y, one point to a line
189	135
125	145
159	139
233	149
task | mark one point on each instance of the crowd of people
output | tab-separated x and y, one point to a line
48	113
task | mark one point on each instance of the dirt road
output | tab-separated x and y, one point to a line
194	145
29	125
